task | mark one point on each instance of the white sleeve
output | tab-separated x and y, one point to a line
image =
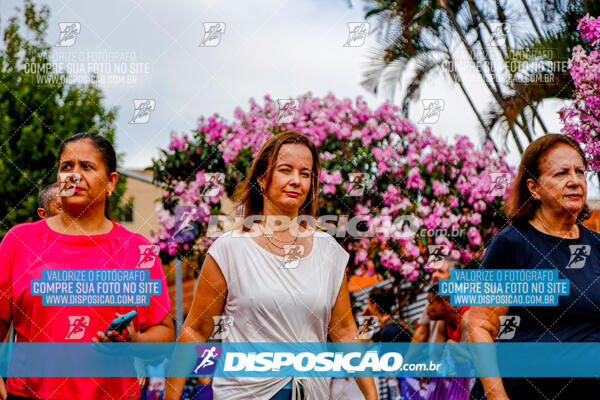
218	251
424	318
339	259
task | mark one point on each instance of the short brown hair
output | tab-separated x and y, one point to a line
521	206
383	299
247	192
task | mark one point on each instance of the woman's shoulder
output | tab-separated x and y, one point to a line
322	234
325	237
120	233
26	229
508	241
29	226
590	235
227	237
512	233
328	241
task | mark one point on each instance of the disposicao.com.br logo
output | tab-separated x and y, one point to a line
322	363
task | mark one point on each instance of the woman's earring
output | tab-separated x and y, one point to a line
260	189
109	193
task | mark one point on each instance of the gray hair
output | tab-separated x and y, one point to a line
46	196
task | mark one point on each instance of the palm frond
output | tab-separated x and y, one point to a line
425	64
380	68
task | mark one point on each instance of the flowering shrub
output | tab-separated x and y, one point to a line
590	29
582	119
439	192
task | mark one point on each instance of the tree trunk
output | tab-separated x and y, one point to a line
516	139
484	48
456	77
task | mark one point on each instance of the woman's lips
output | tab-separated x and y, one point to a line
574	196
294	195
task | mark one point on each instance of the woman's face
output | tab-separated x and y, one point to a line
83	158
561	186
290	181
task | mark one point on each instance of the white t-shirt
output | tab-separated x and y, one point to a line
433	326
271	303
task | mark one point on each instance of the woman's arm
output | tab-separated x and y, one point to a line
164	331
421	334
209	301
440	332
342	328
482	325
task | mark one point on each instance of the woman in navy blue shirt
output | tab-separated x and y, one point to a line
545	208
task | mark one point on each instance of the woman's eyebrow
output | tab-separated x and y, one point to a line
561	168
291	166
81	161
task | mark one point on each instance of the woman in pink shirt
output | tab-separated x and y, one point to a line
82	237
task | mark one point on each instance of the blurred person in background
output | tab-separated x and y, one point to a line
440	309
428	331
380	304
449	331
426	328
49	201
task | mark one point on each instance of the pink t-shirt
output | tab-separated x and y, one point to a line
29	248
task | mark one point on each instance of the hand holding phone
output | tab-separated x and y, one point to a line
118	325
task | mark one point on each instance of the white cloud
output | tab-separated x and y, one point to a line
281	48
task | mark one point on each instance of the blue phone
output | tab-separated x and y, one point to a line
120	323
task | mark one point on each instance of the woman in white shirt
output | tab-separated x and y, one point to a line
280	282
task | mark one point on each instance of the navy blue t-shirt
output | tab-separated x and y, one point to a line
577	316
393	331
575	319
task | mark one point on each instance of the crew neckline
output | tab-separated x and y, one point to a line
81	237
558	238
312	250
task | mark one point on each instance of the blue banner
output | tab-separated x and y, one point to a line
303	359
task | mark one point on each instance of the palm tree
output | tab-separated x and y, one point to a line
520	68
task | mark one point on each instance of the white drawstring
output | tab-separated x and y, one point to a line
296	382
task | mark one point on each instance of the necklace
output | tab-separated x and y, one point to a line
281	241
271	243
287	260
